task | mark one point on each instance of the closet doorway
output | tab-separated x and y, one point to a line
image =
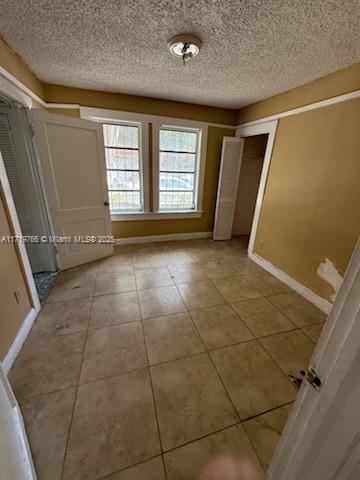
20	162
249	181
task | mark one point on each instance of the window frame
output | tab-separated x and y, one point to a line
197	153
201	131
141	166
150	131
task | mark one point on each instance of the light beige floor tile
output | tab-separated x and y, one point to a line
156	302
237	288
171	337
150	470
203	257
114	309
47	419
220	326
148	260
297	309
268	284
262	317
264	432
291	350
187	273
153	277
219	269
107	283
254	382
113	350
179	258
186	463
47	363
245	266
61	318
70	286
90	268
201	294
115	264
313	331
114	427
190	400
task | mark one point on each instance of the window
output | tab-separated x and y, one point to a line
123	167
155	165
178	168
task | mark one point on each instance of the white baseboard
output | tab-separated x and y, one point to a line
19	340
305	292
162	238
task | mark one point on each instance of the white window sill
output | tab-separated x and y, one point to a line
121	217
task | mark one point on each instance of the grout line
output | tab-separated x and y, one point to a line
108	476
216	370
266	411
152	387
77	390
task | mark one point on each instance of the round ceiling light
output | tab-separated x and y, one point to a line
185	46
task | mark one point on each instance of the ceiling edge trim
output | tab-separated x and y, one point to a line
306	108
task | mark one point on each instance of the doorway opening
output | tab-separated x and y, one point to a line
18	154
249	181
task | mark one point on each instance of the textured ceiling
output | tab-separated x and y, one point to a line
251	49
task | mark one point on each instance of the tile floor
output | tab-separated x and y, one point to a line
146	364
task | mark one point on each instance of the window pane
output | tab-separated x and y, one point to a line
124	201
176	200
176	181
119	180
122	159
121	136
178	141
182	162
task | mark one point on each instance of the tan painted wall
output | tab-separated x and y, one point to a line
11	279
250	173
132	103
338	83
17	67
311	204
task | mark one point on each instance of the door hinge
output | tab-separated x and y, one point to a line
312	377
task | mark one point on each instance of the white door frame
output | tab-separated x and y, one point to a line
268	128
322	436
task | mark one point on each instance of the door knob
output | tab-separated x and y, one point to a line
106	203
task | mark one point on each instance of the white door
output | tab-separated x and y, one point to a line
15	458
322	437
72	158
231	156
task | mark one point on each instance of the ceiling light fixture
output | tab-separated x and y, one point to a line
185	46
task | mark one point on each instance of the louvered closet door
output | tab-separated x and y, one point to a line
231	156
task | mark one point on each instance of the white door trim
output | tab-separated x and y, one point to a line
17	232
250	131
